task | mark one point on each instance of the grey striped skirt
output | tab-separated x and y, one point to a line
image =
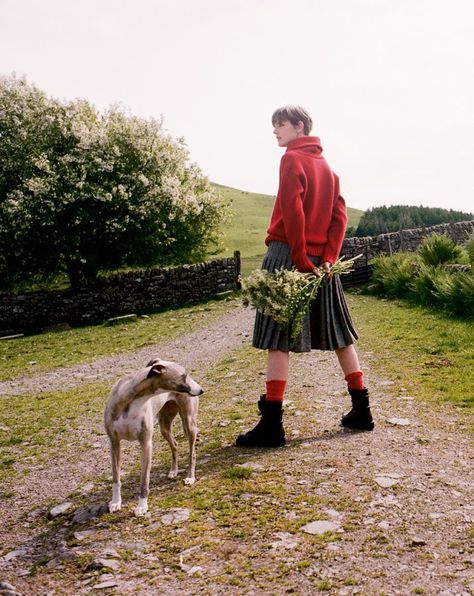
328	325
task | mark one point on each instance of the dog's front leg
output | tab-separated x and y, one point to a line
142	506
191	431
116	502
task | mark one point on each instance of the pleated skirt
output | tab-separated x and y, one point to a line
327	326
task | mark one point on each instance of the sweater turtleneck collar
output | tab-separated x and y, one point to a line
305	144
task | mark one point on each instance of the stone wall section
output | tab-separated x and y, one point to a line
132	292
388	244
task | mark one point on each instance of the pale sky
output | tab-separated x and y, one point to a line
389	83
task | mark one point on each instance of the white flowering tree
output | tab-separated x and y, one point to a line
82	191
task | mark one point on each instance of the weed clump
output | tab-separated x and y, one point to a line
429	277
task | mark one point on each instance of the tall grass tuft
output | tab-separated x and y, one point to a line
438	249
395	274
423	278
469	247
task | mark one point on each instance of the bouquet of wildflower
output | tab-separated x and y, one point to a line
286	295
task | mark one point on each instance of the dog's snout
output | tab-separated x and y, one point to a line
201	391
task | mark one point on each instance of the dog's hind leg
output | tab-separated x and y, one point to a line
166	416
116	502
146	445
191	430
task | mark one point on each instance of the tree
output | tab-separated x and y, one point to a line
82	191
381	220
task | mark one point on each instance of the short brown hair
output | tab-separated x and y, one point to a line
293	114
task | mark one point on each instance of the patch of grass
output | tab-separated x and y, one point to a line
427	353
51	350
237	473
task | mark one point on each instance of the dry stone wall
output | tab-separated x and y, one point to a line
403	241
133	292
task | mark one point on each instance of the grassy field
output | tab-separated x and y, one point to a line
424	351
247	228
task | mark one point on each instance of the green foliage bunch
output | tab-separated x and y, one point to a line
381	220
438	249
424	279
395	273
469	247
83	191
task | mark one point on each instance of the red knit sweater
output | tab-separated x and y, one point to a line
309	213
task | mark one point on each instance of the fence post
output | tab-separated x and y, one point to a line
237	269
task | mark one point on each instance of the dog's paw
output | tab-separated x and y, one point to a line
189	480
115	506
172	473
142	507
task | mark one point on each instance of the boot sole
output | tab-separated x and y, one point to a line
366	428
263	445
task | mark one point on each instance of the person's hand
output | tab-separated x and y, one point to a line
317	272
326	266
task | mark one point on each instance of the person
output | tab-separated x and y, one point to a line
306	231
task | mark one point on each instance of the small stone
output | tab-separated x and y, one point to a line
14	554
285	540
87	488
110	553
37	512
104	585
326	470
384	525
60	509
252	465
416	541
84	514
386	481
82	535
332	513
110	563
398	421
6	589
175	516
320	527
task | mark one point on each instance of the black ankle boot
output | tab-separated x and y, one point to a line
360	417
269	431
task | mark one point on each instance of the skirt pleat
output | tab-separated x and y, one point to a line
327	326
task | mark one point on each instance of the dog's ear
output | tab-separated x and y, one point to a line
156	370
152	362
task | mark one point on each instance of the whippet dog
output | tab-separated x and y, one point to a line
161	389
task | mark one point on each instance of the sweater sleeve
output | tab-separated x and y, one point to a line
290	195
336	231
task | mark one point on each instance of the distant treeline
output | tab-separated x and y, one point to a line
381	220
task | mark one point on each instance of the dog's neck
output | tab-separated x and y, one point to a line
143	392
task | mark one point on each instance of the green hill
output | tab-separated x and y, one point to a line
251	214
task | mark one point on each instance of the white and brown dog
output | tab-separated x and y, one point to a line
161	389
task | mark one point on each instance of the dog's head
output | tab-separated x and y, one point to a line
172	377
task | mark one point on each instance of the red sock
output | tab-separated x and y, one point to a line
355	380
275	390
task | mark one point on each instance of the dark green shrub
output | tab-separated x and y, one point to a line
460	300
395	274
431	286
438	249
469	247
